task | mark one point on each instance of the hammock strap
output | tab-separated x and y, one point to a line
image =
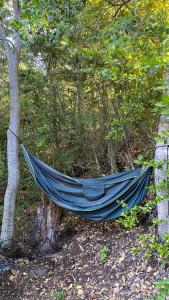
19	140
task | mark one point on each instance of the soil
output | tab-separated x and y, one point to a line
77	269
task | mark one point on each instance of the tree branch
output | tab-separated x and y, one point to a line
3	38
118	4
16	12
119	7
10	42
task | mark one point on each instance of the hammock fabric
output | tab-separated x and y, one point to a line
99	198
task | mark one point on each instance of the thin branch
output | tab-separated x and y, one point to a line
116	4
4	39
16	12
120	6
10	42
16	45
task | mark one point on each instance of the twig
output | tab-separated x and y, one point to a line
120	6
7	40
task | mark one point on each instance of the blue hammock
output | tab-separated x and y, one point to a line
100	198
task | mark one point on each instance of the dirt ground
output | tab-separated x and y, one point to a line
77	269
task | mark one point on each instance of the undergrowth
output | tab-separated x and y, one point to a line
58	295
104	252
163	290
148	242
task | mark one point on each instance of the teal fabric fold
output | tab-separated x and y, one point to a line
98	198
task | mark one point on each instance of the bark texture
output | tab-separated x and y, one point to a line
45	232
162	153
13	54
160	175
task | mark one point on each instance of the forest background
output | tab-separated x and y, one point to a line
92	87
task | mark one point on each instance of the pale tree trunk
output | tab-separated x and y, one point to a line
13	54
96	159
111	157
161	175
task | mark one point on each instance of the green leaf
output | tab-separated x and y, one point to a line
165	112
165	99
160	104
162	283
140	157
160	298
16	24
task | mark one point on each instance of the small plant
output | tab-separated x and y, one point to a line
163	287
152	245
139	160
130	217
104	252
135	250
58	295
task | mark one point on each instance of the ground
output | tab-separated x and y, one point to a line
79	270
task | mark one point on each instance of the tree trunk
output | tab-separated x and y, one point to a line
106	111
160	175
128	152
45	231
162	153
13	55
12	156
111	157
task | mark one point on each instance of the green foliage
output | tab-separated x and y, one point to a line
130	218
139	160
135	250
80	78
152	245
163	286
163	290
58	295
104	252
91	87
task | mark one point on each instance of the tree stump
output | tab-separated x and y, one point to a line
45	231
